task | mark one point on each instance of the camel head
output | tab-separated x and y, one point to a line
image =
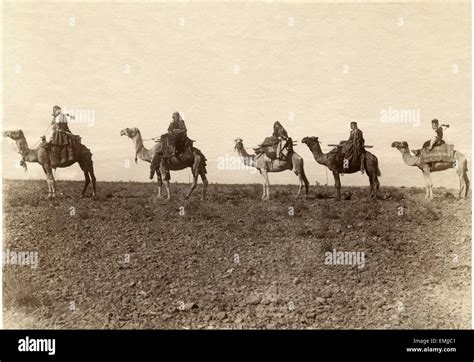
239	144
400	145
310	141
130	132
14	135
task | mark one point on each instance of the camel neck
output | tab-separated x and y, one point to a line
249	160
26	153
408	158
140	149
317	152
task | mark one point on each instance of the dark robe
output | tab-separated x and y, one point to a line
61	132
354	146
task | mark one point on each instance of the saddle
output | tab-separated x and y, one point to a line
62	154
274	148
440	153
342	149
171	145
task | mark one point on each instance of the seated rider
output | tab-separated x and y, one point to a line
353	149
178	132
437	138
279	134
173	142
61	135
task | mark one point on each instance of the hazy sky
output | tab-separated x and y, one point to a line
233	69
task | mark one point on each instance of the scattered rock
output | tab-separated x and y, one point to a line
254	300
189	306
320	300
221	315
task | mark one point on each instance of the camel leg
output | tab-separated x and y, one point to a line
374	185
86	184
266	185
263	186
159	181
463	183
166	177
337	184
195	170
301	185
50	181
204	183
167	187
377	186
88	168
303	182
371	192
428	184
466	184
94	189
193	185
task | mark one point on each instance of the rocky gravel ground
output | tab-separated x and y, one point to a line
125	259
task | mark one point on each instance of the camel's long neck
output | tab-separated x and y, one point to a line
408	158
140	150
318	154
249	160
27	154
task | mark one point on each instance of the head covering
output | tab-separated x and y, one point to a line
435	121
55	108
354	123
179	116
279	130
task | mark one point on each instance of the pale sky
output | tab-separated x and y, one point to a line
232	69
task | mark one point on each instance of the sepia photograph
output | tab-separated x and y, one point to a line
243	165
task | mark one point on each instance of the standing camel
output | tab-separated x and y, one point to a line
41	155
265	165
332	161
460	164
195	160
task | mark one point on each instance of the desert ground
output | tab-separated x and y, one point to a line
125	259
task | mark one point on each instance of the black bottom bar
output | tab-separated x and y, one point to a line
237	345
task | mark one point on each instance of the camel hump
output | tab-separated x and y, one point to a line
84	150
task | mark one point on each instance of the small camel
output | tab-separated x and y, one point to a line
459	164
265	165
196	160
41	155
332	161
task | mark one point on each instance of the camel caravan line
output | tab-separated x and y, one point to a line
174	151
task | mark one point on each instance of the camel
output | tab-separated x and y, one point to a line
41	155
265	165
460	164
332	161
196	161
